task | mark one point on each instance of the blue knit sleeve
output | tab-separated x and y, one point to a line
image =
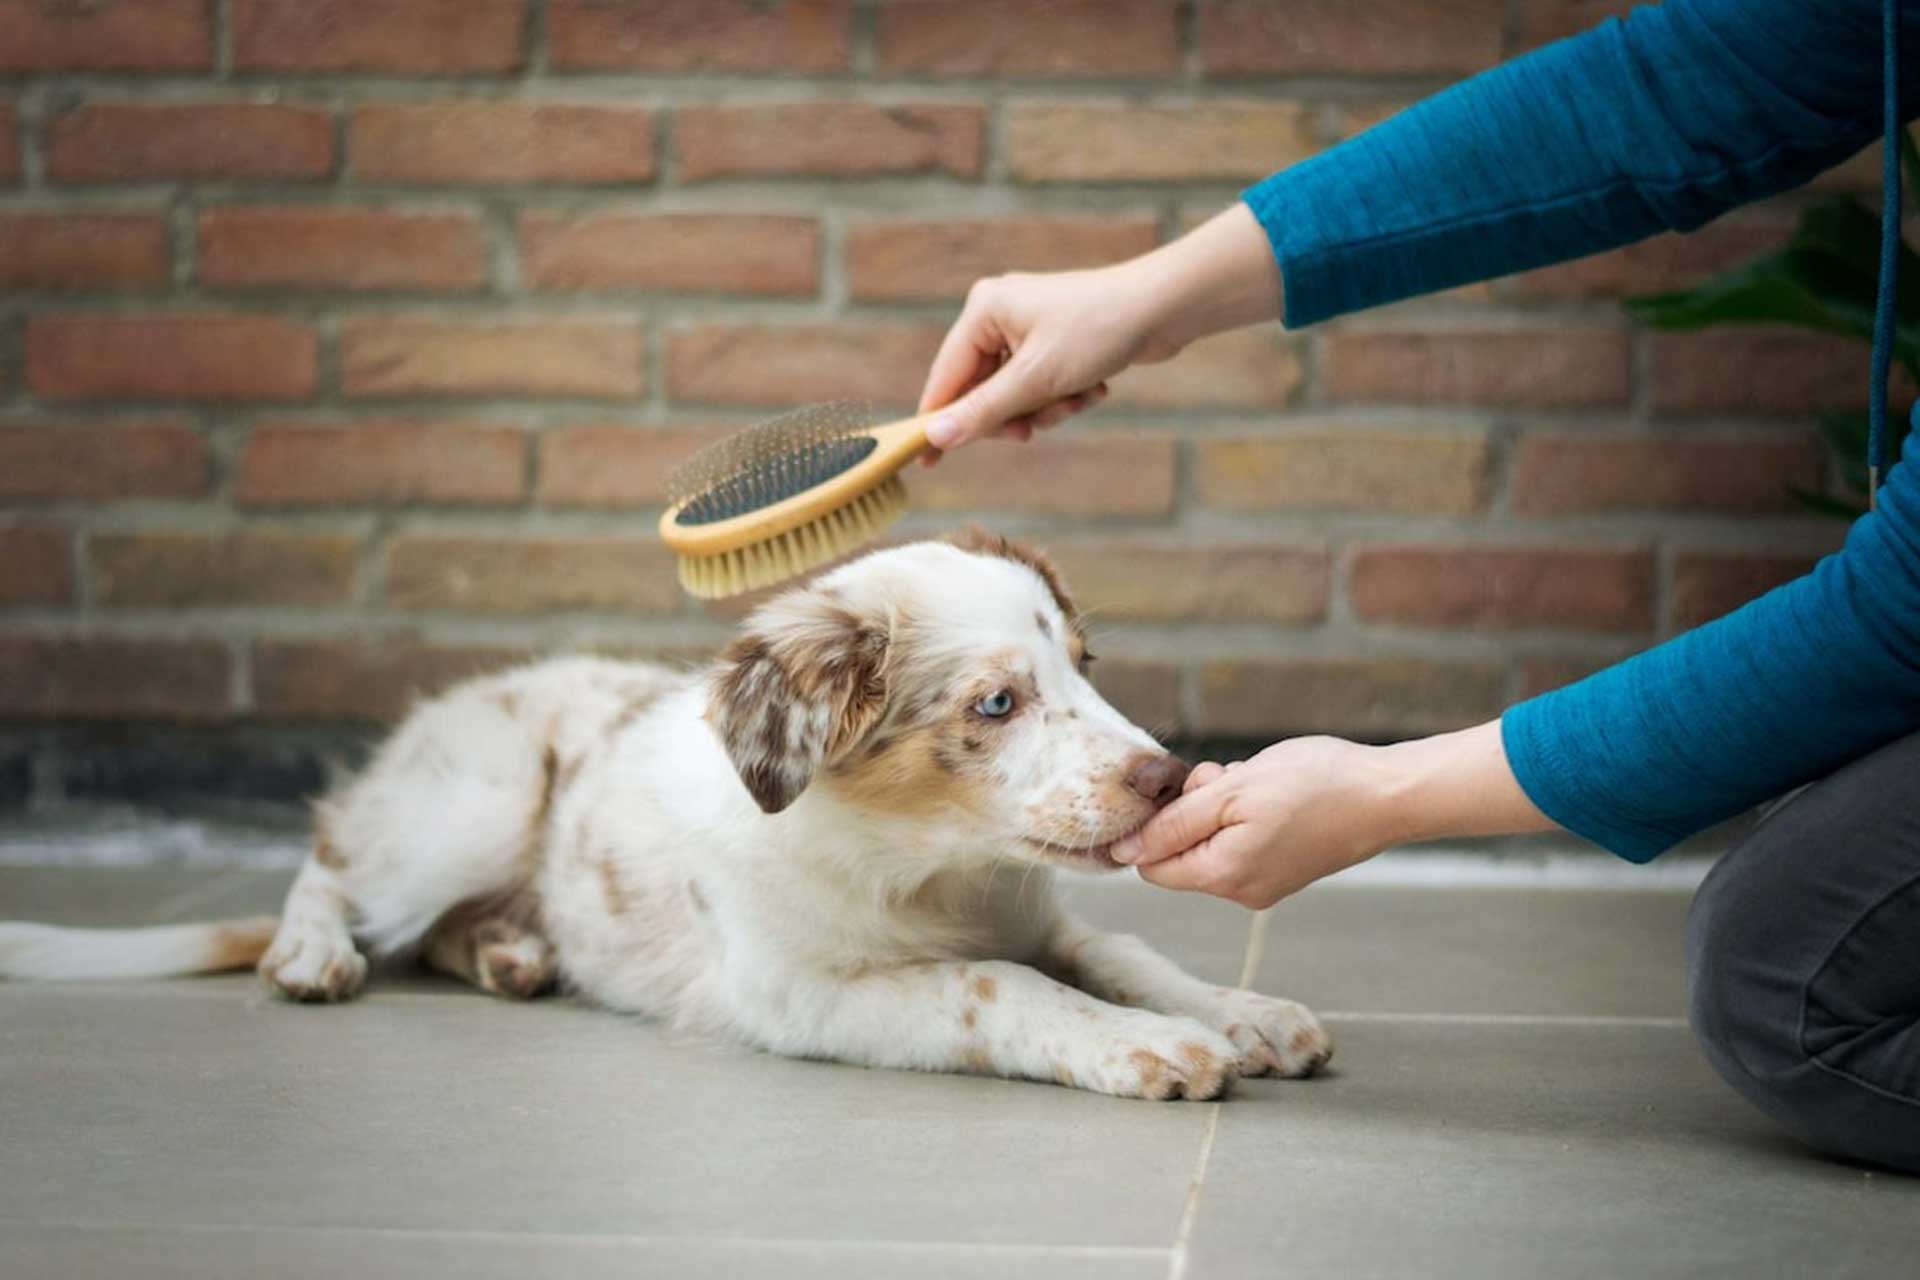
1657	122
1780	692
1660	121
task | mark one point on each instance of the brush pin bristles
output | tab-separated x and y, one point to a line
787	496
792	553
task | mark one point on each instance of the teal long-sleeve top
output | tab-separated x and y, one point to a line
1659	121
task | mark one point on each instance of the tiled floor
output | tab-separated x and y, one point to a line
1515	1095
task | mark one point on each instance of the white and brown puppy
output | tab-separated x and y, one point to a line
905	728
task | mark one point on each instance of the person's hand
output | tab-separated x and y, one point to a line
1257	831
1029	351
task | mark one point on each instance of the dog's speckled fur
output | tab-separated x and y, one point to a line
821	846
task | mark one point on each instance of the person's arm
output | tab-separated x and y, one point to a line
1636	758
1255	831
1778	693
1659	121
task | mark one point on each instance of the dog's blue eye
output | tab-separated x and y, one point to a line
995	705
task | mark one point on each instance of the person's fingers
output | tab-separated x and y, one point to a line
1007	395
967	354
1199	869
1175	829
1203	773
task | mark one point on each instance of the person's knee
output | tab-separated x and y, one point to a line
1747	990
1729	1003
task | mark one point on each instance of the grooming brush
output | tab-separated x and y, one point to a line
786	496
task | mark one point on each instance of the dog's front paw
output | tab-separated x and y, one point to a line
312	963
1163	1058
1273	1036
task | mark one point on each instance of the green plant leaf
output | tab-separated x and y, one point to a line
1826	279
1910	159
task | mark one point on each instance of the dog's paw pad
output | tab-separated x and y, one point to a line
1275	1037
312	964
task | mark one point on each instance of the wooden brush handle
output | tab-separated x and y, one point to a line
898	443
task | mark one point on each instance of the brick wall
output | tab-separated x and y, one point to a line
343	344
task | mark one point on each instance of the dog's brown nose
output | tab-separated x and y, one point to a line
1158	778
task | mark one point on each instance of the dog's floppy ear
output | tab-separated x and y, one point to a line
803	682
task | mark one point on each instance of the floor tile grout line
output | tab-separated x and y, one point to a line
608	1237
1507	1019
1190	1213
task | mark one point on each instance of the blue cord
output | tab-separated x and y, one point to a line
1883	313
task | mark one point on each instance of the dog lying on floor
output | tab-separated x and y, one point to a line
805	848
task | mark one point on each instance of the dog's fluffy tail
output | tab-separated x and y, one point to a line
52	953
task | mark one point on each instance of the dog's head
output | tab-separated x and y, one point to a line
946	681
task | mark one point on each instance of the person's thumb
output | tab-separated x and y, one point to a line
1000	398
1175	829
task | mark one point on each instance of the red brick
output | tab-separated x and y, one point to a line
1115	473
1118	142
609	465
72	250
531	575
1350	468
1541	21
833	138
36	565
1537	370
1707	584
419	37
1182	583
720	36
183	570
156	459
1652	266
505	143
305	463
1765	370
1567	474
1248	369
65	677
9	142
1147	693
1543	675
1368	698
119	35
137	142
909	260
684	252
173	356
1331	37
1103	38
881	364
1461	586
378	679
400	356
329	247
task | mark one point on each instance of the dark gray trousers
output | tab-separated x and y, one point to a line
1803	962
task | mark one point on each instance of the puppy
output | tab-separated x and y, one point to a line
840	842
